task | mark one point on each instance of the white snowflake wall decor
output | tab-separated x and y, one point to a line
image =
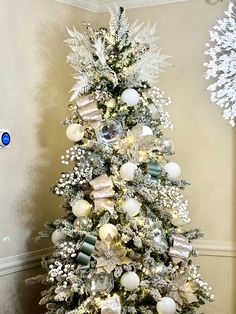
221	67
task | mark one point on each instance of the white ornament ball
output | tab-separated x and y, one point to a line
127	171
81	208
107	229
130	96
130	280
131	206
177	221
58	236
75	132
173	170
166	306
147	131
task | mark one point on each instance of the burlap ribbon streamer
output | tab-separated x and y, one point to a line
89	111
181	249
102	193
111	306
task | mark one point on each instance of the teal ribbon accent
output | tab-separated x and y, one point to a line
153	170
86	251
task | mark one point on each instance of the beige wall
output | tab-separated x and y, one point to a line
35	80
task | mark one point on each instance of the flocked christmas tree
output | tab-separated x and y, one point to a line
121	246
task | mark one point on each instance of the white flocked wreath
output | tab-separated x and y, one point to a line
221	67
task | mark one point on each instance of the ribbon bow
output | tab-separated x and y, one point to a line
181	249
103	192
89	111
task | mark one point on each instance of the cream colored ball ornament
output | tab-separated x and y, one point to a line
176	220
131	206
166	306
130	96
127	171
147	131
173	170
130	281
75	132
58	236
107	229
81	208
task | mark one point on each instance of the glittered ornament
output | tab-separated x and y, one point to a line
173	170
166	146
166	306
130	96
83	223
131	206
127	171
107	229
58	236
75	132
111	305
130	281
100	283
109	132
81	208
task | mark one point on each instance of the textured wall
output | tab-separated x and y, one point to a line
34	91
35	81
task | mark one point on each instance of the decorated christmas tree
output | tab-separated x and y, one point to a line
122	245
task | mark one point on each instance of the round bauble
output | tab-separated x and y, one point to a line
107	229
177	221
83	223
130	96
109	132
81	208
131	206
127	171
166	306
147	131
173	170
130	280
75	132
166	146
58	236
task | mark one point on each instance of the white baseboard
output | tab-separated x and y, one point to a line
30	260
98	6
215	248
13	264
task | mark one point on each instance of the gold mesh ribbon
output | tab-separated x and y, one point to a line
89	111
102	193
181	249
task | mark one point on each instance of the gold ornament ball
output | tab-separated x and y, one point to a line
75	132
176	220
81	208
130	280
107	229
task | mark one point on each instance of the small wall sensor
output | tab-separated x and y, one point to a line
5	138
